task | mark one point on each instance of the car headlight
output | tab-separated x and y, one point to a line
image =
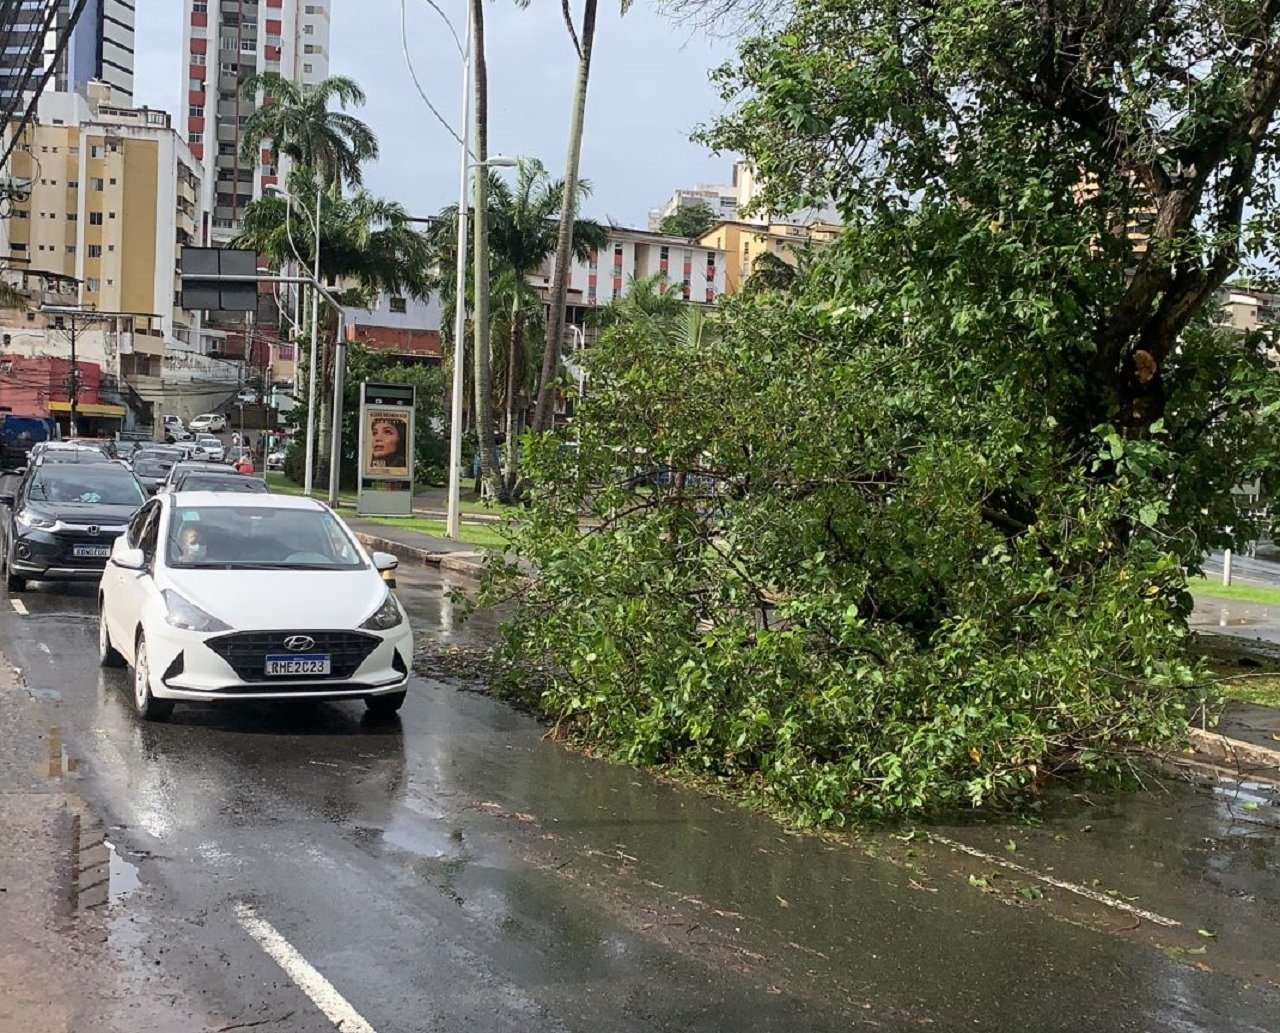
386	616
183	613
27	519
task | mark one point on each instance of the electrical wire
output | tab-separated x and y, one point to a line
413	74
59	50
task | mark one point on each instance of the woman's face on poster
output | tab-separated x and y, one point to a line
385	436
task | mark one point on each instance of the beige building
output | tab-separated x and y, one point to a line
744	242
114	194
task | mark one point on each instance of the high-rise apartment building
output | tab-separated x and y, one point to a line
100	48
225	42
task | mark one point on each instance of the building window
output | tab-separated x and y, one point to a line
111	215
307	69
195	85
194	137
95	183
15	246
95	218
111	182
92	283
72	217
95	250
196	111
95	151
664	252
200	6
71	249
308	30
398	305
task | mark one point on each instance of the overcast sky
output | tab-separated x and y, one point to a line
649	89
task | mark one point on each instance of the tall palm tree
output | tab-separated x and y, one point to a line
299	125
363	239
583	42
522	234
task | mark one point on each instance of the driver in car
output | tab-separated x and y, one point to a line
191	545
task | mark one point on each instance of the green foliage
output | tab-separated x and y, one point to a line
911	533
690	221
366	364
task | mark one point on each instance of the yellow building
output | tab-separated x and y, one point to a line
113	195
744	242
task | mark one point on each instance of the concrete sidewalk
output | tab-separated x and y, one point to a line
415	547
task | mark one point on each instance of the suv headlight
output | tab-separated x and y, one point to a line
183	613
386	616
25	518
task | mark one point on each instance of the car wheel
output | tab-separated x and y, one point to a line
385	706
148	707
108	655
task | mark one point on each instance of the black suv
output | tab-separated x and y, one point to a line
63	519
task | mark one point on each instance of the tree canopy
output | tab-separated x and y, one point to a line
690	221
913	532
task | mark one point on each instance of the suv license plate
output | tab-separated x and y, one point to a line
91	552
306	663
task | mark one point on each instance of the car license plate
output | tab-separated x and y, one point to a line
304	663
91	552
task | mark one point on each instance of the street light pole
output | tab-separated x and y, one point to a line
308	477
452	518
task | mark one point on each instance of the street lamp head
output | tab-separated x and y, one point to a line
276	188
501	161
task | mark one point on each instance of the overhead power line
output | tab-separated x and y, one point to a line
64	38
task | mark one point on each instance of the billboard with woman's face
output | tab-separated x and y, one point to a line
386	452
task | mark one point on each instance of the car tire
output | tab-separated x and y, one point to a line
108	655
144	701
385	706
12	582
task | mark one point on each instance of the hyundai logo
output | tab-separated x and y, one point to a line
93	530
299	643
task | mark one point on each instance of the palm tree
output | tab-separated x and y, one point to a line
363	239
299	125
522	233
583	43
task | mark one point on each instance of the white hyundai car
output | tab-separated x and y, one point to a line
212	596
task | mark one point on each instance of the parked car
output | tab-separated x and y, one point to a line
275	460
247	396
210	422
214	597
62	519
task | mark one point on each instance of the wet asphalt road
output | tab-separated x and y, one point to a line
456	870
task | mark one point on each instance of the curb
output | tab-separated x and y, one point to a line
469	563
1235	752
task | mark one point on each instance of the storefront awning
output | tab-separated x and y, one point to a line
90	409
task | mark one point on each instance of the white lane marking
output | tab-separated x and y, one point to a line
19	606
322	993
1062	884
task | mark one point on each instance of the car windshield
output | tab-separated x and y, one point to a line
257	537
151	468
88	485
214	442
223	482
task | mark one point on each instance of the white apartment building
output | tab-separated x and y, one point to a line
696	272
224	44
723	200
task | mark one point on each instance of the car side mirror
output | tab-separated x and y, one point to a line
7	499
386	565
128	557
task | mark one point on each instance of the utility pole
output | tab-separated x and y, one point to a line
73	386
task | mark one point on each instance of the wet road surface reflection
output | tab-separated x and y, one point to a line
453	869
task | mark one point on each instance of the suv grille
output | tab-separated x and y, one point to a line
247	651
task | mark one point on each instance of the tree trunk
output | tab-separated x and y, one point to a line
515	356
490	471
543	414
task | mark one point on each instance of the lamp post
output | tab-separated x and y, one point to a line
452	516
579	350
289	201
